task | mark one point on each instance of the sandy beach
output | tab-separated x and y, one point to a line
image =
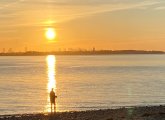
133	113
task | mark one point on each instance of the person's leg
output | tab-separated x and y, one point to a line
54	107
51	107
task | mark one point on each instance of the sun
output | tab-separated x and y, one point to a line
50	33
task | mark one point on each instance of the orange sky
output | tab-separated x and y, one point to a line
105	24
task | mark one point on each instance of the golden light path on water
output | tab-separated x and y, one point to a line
51	72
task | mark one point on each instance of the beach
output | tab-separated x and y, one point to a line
132	113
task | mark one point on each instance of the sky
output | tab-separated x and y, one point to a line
82	24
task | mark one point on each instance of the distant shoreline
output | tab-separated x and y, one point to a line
99	52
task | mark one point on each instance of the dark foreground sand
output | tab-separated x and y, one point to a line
134	113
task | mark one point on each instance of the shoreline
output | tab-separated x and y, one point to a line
93	52
132	113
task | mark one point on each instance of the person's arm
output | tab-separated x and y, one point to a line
55	96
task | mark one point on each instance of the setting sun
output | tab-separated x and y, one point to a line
50	33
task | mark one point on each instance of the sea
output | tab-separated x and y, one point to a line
81	82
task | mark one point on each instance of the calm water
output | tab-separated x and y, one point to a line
80	82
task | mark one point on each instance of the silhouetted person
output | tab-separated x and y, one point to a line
52	100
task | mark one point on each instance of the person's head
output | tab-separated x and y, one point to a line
52	89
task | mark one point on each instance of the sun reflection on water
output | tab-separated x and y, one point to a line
51	71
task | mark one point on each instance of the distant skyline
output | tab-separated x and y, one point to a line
104	24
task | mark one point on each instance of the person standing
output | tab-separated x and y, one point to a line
52	100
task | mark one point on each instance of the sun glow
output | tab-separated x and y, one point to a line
51	62
50	33
51	71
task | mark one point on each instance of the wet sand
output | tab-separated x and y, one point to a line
134	113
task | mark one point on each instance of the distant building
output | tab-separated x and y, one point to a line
94	49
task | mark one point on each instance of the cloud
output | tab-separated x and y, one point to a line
39	12
69	12
160	8
84	2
